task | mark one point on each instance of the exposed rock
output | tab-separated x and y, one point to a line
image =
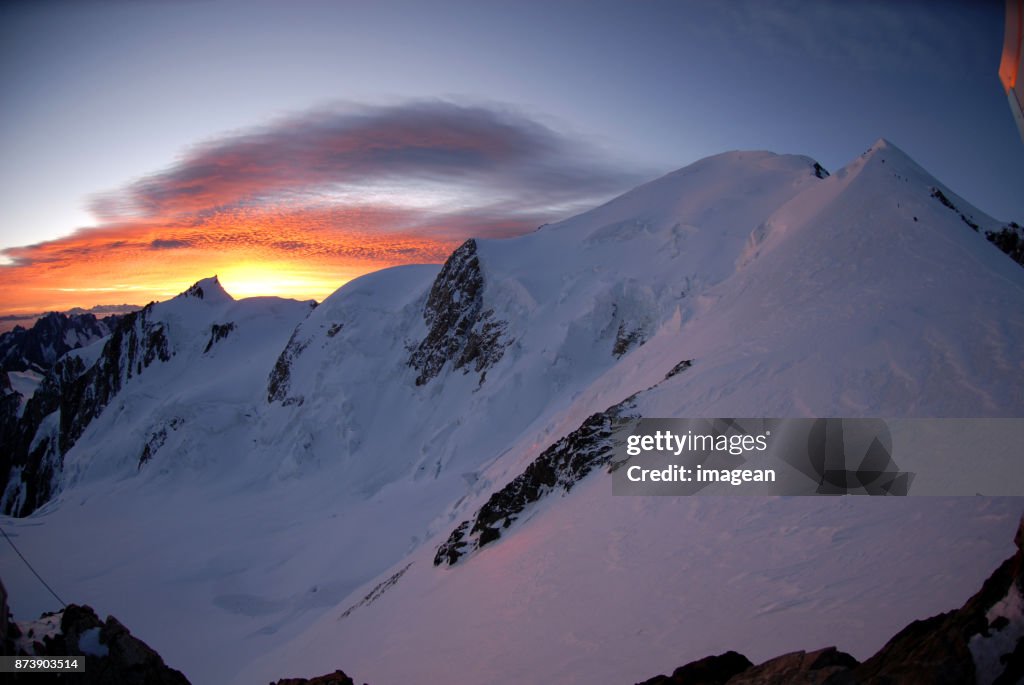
336	678
560	466
157	440
460	330
10	404
827	665
110	652
679	368
74	395
218	332
981	642
626	339
941	197
711	670
952	647
281	374
38	348
1010	239
378	590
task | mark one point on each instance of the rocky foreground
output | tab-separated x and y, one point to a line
981	642
111	653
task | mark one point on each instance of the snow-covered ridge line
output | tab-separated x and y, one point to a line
368	422
76	394
80	386
52	335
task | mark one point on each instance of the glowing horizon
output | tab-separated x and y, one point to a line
300	207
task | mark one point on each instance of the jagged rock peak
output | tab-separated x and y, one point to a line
208	289
461	330
38	348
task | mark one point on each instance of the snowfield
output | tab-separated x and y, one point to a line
268	500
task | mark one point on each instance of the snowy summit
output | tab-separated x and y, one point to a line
283	478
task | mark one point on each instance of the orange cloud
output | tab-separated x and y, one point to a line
302	206
303	253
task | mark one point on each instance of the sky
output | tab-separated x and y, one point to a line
291	146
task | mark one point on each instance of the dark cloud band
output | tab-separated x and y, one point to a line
492	152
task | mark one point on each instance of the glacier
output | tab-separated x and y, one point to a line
263	488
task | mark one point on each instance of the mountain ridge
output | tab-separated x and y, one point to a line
382	418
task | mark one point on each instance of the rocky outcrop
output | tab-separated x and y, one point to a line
823	666
378	590
133	346
110	652
31	460
711	670
559	467
218	332
1009	239
336	678
38	348
280	376
627	338
157	439
981	642
461	331
70	396
10	405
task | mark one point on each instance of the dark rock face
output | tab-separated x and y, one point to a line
157	440
820	171
626	339
53	335
560	466
981	642
1010	239
218	332
941	197
10	402
679	368
281	374
460	330
111	653
940	649
378	590
78	395
827	665
196	291
711	670
336	678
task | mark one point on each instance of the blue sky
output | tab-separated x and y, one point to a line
103	98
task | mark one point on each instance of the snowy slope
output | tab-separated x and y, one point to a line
302	463
840	304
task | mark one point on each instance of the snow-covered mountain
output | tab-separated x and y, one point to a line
406	481
75	395
50	337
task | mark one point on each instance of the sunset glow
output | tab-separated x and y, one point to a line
298	208
303	255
